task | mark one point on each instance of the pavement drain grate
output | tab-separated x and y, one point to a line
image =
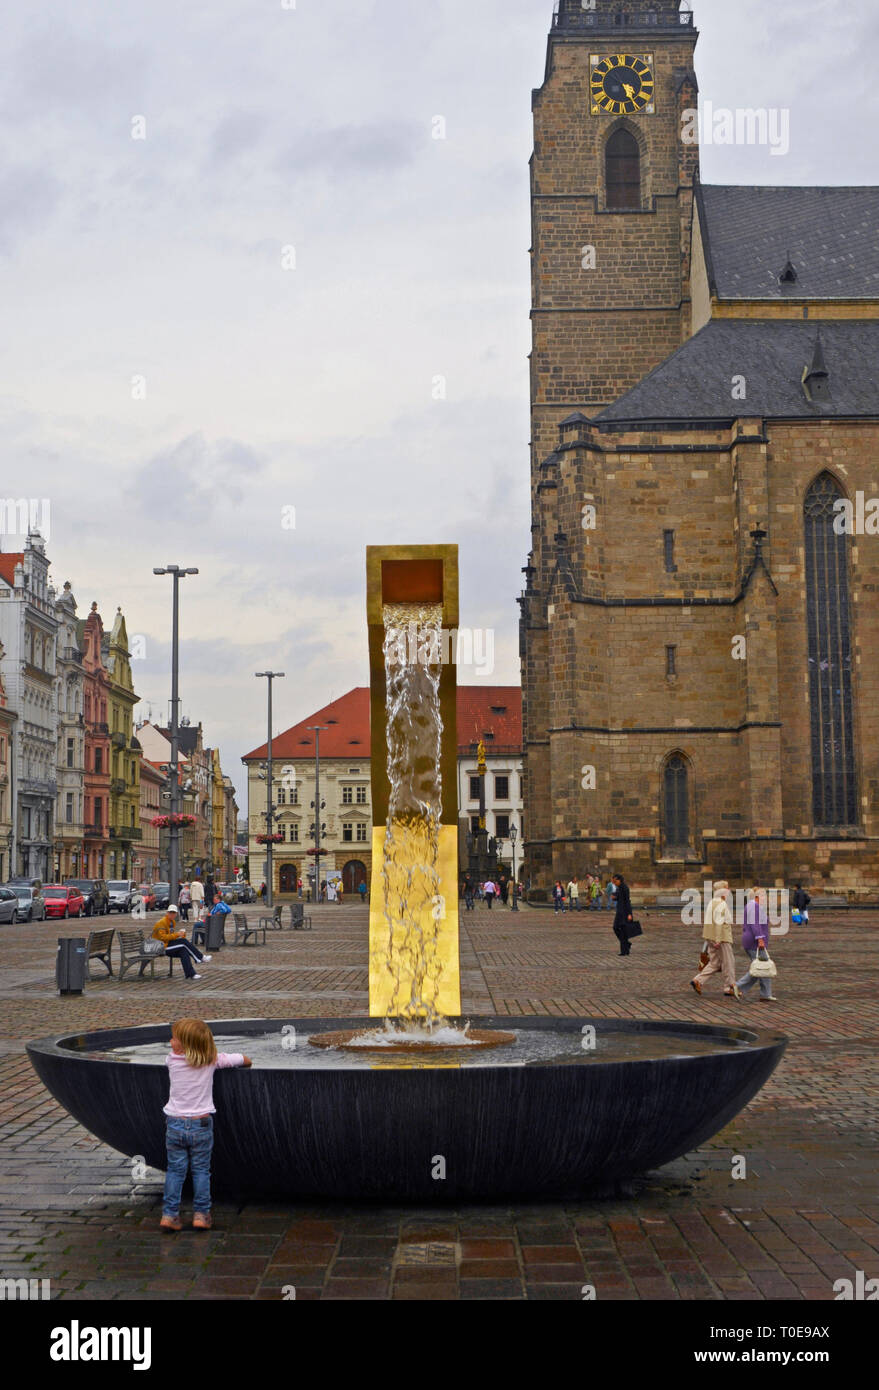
434	1253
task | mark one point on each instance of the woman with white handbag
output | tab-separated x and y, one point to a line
755	934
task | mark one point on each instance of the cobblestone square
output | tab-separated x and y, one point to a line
805	1215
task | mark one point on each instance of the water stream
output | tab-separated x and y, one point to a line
413	906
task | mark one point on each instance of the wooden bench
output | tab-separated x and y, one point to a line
244	930
131	945
99	945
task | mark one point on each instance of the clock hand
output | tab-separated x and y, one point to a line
629	91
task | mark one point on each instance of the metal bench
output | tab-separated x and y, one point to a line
98	947
273	923
245	930
298	920
131	946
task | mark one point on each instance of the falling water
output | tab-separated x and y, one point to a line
413	904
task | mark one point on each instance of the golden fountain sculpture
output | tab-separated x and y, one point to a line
412	608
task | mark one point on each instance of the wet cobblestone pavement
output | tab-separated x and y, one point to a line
805	1214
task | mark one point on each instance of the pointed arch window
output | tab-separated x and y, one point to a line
676	800
831	698
623	170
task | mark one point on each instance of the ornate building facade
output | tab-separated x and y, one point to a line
96	777
28	624
700	600
125	828
70	757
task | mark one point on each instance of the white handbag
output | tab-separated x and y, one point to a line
763	967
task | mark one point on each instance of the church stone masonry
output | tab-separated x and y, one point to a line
700	691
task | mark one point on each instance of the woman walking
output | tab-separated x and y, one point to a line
623	914
184	902
755	934
718	938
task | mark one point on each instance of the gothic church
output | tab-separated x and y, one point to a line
700	620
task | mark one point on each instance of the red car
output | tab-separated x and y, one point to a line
63	901
149	898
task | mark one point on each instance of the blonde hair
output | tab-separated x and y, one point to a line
199	1047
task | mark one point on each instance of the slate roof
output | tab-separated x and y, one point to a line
696	382
830	234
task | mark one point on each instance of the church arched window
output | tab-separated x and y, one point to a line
676	803
623	170
831	698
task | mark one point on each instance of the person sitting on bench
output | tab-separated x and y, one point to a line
173	938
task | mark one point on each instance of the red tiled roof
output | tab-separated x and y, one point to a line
485	710
348	720
482	710
8	561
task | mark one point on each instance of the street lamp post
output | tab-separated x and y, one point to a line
176	574
269	676
317	730
514	835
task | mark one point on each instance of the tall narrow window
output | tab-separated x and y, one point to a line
828	615
671	661
676	795
623	171
668	538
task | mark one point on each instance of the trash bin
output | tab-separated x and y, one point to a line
71	965
214	934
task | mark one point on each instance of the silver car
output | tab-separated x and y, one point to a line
8	905
31	903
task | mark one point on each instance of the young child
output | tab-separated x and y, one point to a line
189	1134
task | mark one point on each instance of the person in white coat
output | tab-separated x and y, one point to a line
717	931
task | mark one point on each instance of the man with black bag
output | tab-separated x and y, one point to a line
622	922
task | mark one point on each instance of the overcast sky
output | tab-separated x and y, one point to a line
156	264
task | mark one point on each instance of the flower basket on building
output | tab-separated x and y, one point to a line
166	822
270	839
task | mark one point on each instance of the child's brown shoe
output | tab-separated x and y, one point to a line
170	1223
201	1221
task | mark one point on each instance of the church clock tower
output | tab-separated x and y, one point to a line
611	196
612	199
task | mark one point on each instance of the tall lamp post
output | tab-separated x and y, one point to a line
514	835
317	730
176	574
269	676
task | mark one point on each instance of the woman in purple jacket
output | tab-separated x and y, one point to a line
755	935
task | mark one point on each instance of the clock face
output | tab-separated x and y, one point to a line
621	83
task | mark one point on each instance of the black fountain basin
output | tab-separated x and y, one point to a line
385	1129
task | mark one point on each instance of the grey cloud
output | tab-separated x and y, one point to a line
381	146
27	199
188	476
235	135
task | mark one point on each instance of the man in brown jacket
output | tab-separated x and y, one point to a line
173	938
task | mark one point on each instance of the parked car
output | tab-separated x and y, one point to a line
145	891
230	892
31	903
246	893
95	892
62	901
122	894
161	895
8	905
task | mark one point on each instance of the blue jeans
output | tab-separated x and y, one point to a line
189	1145
748	980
